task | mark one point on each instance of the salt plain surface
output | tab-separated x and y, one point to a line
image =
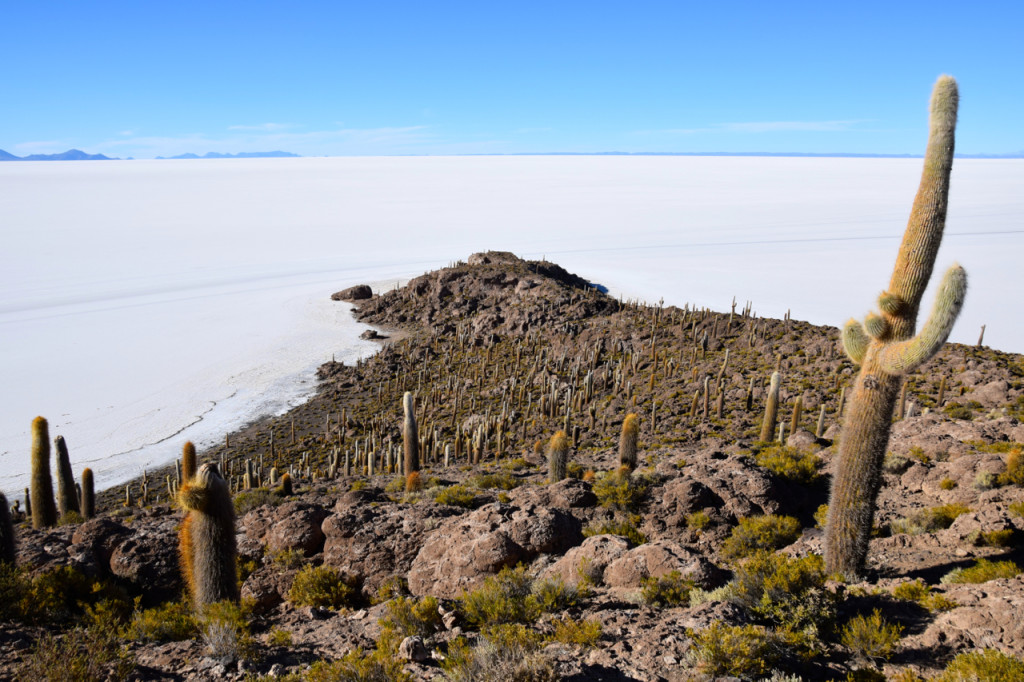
150	302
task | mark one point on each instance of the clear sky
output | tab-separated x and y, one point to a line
144	79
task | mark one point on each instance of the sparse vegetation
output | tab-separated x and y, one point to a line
667	590
755	533
791	463
322	586
986	665
871	636
982	571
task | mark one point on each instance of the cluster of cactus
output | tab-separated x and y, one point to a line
206	540
886	347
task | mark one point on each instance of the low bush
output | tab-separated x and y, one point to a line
1016	508
225	630
357	665
395	586
871	636
982	571
918	591
584	633
170	622
409	617
1013	474
322	586
503	598
625	528
621	489
456	496
794	464
958	411
247	500
929	520
785	591
78	655
755	533
987	665
821	516
748	651
497	481
279	637
947	484
698	520
667	590
507	653
554	595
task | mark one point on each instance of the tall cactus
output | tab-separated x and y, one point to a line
628	441
189	462
410	437
771	410
6	533
558	456
886	347
67	495
44	509
88	494
207	538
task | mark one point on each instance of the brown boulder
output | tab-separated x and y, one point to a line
148	561
291	526
658	559
100	536
360	292
464	551
589	560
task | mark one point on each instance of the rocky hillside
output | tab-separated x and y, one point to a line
701	562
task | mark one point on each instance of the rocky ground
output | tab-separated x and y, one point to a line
502	353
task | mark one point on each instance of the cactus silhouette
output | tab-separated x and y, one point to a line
886	347
628	441
6	532
67	495
771	409
410	438
207	538
44	509
558	456
88	494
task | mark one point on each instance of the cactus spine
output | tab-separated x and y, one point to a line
207	538
410	438
771	409
67	495
6	532
628	441
44	509
88	494
886	347
558	456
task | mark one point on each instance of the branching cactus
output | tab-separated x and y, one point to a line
67	494
207	538
410	438
558	456
44	509
628	441
886	347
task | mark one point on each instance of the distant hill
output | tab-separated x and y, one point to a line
69	155
240	155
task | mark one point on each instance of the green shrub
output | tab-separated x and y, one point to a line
929	520
958	411
517	464
621	489
625	528
785	591
171	622
918	591
871	636
503	598
1014	472
57	595
1016	508
225	630
554	595
13	586
790	463
247	500
698	520
992	538
357	665
279	637
395	586
755	533
947	484
982	571
456	496
288	558
747	651
895	464
986	480
821	516
409	617
987	665
78	655
918	453
668	590
506	653
497	481
322	586
584	633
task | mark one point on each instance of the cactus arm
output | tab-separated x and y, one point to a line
855	341
906	356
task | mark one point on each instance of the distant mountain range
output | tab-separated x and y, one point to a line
69	155
240	155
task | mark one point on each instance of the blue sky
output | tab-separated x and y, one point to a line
354	78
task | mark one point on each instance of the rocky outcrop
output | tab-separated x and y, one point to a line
360	292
